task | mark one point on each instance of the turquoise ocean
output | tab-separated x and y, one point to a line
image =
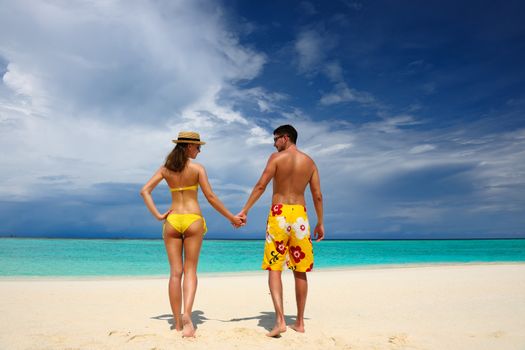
23	257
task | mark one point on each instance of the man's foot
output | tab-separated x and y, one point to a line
276	331
298	328
187	327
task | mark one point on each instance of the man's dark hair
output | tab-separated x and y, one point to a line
287	130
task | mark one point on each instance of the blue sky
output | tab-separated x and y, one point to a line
413	111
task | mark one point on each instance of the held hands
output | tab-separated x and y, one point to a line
239	220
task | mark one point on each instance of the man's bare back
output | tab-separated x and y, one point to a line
293	172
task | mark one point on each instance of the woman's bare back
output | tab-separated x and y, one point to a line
185	201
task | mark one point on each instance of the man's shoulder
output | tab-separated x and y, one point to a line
275	156
306	156
300	156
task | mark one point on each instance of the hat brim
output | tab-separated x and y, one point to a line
189	141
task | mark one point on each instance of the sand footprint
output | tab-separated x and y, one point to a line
339	343
241	333
141	337
497	334
118	333
398	339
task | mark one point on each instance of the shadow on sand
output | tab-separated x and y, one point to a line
266	319
197	317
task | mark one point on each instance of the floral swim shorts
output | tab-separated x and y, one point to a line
288	239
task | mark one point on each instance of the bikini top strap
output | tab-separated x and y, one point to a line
177	189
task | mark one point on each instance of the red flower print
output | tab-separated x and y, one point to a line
304	208
269	268
310	268
288	228
297	254
280	247
276	209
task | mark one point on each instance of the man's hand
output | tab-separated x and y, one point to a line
237	222
243	216
319	232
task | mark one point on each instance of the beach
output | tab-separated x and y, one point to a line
412	307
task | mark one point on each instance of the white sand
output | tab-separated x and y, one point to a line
425	307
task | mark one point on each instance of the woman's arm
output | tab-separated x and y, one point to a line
145	192
213	199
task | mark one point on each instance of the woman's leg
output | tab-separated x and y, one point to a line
173	244
192	246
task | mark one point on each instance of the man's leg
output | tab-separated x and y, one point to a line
276	289
301	291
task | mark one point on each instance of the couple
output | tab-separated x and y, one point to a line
287	232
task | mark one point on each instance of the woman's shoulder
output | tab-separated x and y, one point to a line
163	171
195	166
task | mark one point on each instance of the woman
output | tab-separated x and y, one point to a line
184	226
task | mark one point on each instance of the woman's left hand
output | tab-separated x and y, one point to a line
163	216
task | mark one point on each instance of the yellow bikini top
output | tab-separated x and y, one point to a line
177	189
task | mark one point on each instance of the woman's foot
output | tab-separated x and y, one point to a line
277	330
187	327
177	323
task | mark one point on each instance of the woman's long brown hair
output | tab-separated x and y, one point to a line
177	159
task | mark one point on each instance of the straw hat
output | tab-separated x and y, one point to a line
189	137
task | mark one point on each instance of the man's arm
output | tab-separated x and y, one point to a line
317	197
260	186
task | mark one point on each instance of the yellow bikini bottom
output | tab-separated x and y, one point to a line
181	222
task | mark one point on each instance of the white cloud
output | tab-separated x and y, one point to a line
328	149
99	93
19	82
334	72
132	62
392	124
310	47
334	149
266	101
342	93
259	136
422	148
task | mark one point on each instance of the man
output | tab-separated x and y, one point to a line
288	232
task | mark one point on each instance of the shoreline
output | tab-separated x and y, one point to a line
348	268
262	239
